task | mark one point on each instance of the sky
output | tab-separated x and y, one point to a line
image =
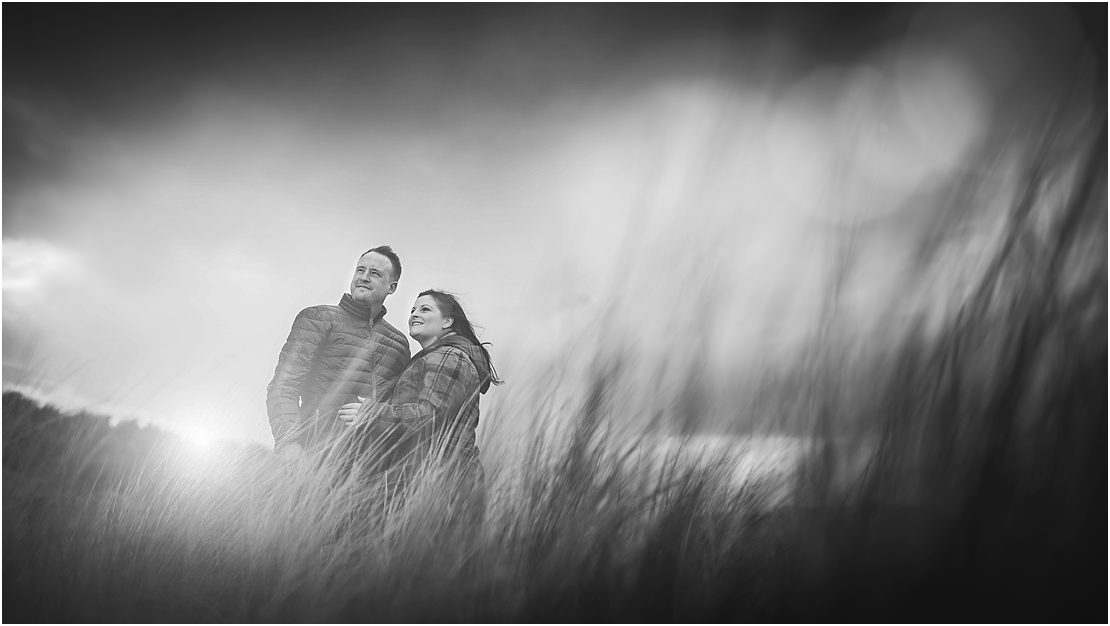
180	181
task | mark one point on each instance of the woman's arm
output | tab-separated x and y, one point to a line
446	380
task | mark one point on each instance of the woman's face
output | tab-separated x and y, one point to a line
426	321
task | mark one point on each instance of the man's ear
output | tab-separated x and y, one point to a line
392	286
448	323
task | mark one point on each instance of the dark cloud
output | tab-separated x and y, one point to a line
137	66
71	71
141	55
132	61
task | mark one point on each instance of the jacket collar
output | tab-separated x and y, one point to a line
452	338
361	311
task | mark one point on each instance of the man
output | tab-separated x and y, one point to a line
334	356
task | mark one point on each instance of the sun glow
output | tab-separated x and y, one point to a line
200	439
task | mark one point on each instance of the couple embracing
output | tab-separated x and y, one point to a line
345	385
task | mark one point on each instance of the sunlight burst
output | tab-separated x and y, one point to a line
199	439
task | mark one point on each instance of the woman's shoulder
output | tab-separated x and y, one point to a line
447	353
442	351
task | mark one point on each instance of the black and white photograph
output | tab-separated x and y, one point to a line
554	313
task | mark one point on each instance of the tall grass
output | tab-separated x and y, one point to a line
972	488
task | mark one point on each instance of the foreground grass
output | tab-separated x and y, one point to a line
981	498
185	538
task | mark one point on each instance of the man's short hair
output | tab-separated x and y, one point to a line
388	253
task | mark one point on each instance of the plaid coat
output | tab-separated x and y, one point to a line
333	355
434	403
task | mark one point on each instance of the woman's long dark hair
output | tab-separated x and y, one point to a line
449	306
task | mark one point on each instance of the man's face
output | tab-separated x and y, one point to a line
373	279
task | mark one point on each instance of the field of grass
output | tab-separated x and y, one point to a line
969	487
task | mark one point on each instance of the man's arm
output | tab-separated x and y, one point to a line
283	395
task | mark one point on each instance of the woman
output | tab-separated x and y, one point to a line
434	406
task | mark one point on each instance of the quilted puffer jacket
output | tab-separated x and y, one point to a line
435	401
333	355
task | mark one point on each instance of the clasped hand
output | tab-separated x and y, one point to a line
357	413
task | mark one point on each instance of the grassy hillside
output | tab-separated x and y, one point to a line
980	495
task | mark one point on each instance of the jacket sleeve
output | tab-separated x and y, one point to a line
443	392
283	394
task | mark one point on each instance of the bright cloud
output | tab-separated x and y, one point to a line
28	263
